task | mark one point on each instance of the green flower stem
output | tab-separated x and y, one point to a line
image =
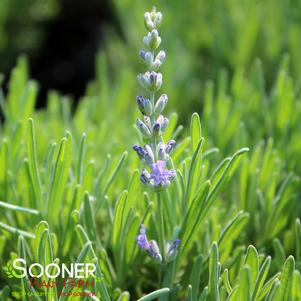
152	117
161	225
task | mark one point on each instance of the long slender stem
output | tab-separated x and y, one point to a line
161	225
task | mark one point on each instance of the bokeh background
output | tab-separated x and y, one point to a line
61	39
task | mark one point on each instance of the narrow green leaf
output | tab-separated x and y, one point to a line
243	291
59	178
80	162
268	285
263	272
16	231
279	252
226	281
232	230
298	239
220	177
87	215
286	280
273	293
194	172
155	294
113	176
195	277
296	286
173	119
204	294
22	247
33	164
41	227
195	130
213	287
189	293
2	244
252	260
192	217
118	219
18	208
125	296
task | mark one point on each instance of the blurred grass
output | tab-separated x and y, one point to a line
205	36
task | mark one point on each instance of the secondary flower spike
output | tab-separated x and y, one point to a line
151	247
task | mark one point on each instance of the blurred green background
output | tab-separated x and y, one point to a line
61	39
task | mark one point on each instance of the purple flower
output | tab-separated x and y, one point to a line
160	175
142	239
150	246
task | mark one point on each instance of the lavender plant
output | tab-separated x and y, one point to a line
155	153
64	198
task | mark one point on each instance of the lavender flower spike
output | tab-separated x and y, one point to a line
155	153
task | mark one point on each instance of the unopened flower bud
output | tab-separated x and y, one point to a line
160	104
154	251
164	124
161	56
161	152
139	150
147	121
149	155
142	53
145	177
170	146
163	121
150	80
153	19
143	80
145	106
156	129
172	250
152	41
149	24
158	19
158	61
147	57
144	130
155	81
